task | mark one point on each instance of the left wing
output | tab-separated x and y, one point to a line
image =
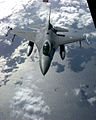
67	38
28	35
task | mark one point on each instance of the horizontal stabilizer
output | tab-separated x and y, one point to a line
58	29
92	7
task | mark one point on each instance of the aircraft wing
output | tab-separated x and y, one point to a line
28	35
67	38
92	7
58	29
36	27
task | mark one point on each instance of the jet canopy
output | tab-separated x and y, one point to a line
46	48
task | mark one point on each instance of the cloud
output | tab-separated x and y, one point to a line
28	104
92	100
76	91
25	12
84	95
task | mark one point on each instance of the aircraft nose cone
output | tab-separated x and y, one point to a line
45	64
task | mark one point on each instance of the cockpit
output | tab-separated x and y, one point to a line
46	48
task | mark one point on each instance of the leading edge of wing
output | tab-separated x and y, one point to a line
37	27
69	38
28	35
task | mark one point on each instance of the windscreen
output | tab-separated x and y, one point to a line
46	48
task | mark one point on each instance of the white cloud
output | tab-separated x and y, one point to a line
11	6
92	100
25	12
76	91
28	104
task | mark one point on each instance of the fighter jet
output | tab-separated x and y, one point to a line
47	39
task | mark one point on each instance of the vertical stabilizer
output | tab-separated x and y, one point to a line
49	14
49	23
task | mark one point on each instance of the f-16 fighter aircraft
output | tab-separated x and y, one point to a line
47	39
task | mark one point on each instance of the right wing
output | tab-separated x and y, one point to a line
28	35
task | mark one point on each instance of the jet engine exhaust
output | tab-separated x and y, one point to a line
30	48
62	52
